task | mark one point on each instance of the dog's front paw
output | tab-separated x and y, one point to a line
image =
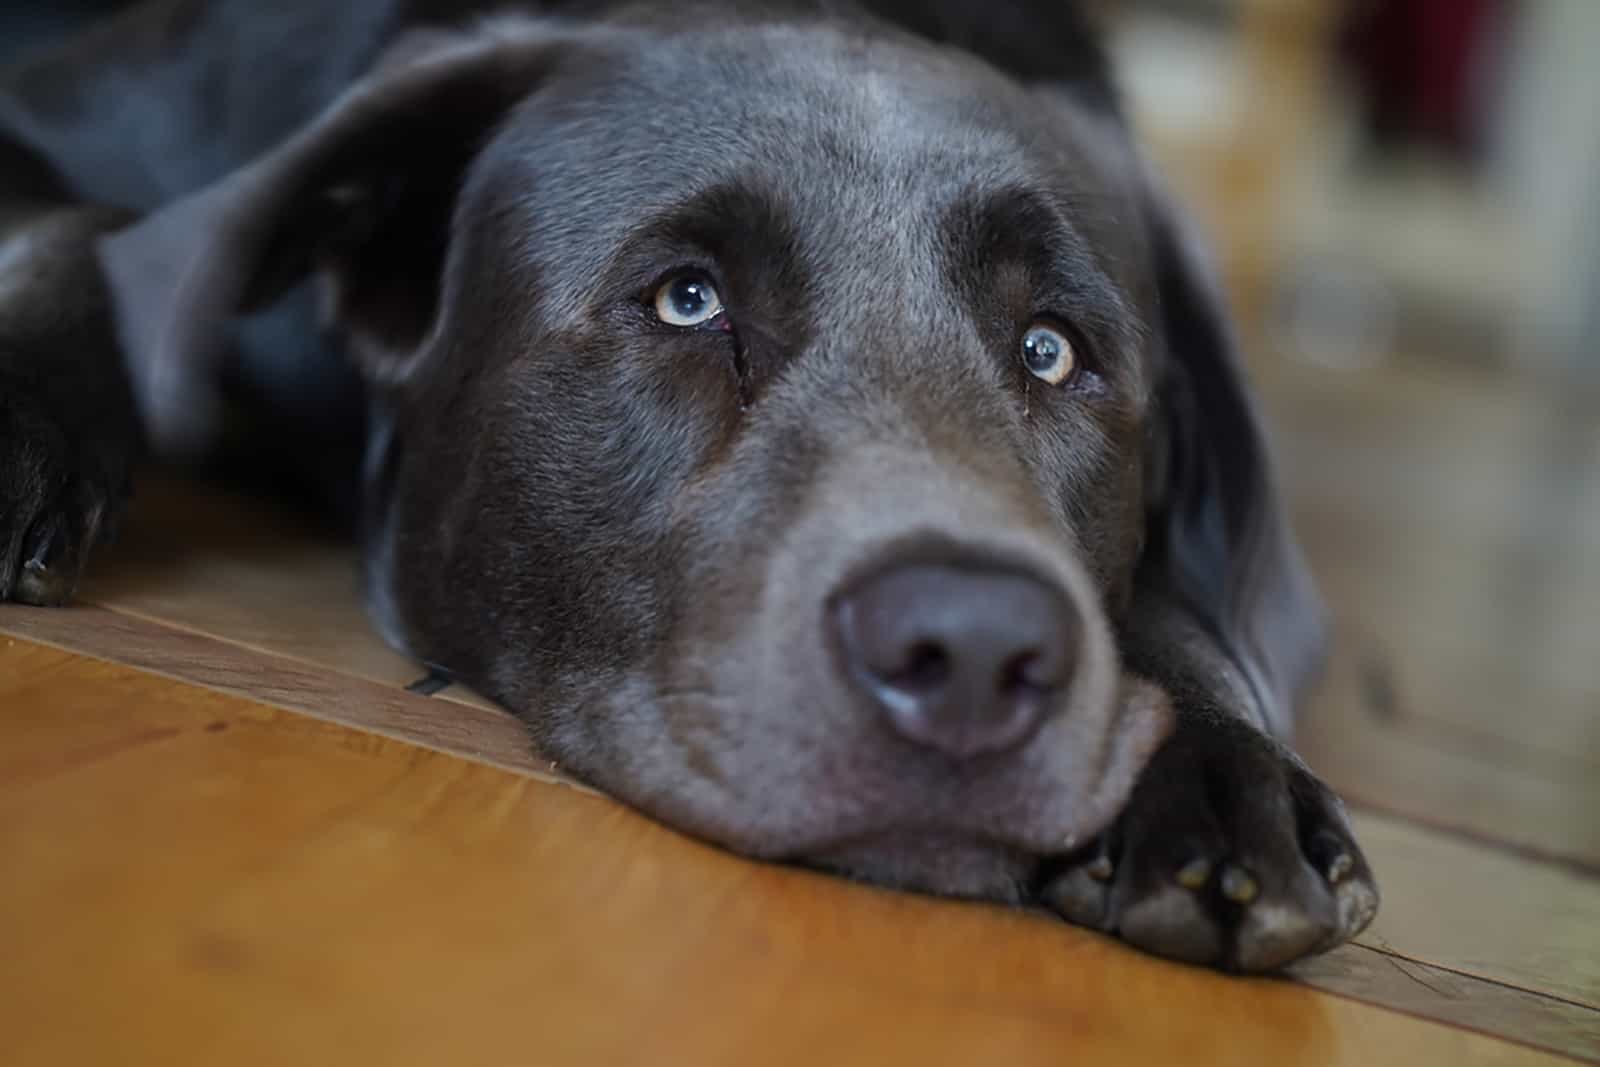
1229	853
61	493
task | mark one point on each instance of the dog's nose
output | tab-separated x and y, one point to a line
966	660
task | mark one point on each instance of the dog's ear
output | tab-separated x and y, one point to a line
1218	538
363	195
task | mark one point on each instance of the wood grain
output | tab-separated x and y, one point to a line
196	878
477	731
1431	992
1387	760
463	695
1482	912
1438	891
233	567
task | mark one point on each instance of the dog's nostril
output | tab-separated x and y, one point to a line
927	668
966	660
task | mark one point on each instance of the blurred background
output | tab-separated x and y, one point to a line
1404	196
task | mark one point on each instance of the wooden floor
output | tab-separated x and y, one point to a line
234	829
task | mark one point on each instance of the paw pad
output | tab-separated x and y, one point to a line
1238	885
1100	868
1195	874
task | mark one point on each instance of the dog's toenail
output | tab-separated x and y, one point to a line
1340	866
1238	886
1099	868
1195	874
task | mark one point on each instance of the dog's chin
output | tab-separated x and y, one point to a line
931	861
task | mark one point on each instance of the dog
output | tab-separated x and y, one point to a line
811	417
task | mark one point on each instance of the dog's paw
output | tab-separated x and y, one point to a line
1229	853
61	494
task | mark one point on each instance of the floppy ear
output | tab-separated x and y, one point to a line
364	194
1218	537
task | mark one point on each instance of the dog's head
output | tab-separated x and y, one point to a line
767	412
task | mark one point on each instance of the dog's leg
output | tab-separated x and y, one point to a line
68	428
1230	850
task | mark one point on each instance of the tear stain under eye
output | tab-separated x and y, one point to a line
741	369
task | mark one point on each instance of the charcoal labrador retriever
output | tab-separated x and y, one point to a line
809	416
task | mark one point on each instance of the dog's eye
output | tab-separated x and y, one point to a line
1047	353
687	300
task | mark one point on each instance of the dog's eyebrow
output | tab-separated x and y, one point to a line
728	221
708	215
1020	227
744	229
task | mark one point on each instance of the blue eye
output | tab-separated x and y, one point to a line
1048	354
687	300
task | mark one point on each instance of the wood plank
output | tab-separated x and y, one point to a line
1482	912
479	732
1480	681
192	877
1374	976
1531	946
237	568
463	695
1454	520
1533	973
1385	761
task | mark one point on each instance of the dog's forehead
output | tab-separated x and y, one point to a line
785	90
868	136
